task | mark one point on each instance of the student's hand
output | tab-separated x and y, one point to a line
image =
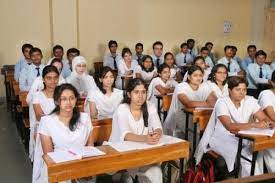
152	138
261	124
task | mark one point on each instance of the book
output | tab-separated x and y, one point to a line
258	131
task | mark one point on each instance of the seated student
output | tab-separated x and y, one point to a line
102	103
71	53
146	69
126	67
42	103
235	57
258	73
161	85
137	120
24	61
158	53
139	49
112	59
191	94
28	74
272	66
231	64
192	50
183	58
267	102
64	128
209	46
251	51
174	70
79	78
204	53
231	114
217	80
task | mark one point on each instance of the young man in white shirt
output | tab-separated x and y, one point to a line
183	58
210	45
235	57
204	53
111	59
251	51
71	53
192	50
157	56
139	49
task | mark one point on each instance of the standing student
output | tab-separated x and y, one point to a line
126	67
231	114
112	58
183	58
146	69
42	103
217	80
192	50
158	53
24	61
63	129
79	78
138	121
174	70
102	103
71	53
251	51
191	94
139	49
209	46
204	53
235	57
161	85
28	74
258	73
231	64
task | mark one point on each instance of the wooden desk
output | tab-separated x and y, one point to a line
166	102
259	143
114	161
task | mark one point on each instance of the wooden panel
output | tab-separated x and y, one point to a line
166	102
202	117
102	130
22	99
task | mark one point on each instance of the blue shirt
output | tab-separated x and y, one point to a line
66	70
253	73
246	61
183	59
161	60
234	66
19	67
109	60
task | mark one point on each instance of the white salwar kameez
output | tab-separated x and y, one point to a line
217	90
105	105
267	99
62	138
122	70
217	138
123	123
146	76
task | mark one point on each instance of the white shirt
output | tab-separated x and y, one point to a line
173	72
234	66
146	76
183	59
209	62
161	60
219	93
22	62
108	60
272	65
122	70
267	99
124	122
253	75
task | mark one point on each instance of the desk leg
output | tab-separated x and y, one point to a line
186	126
238	163
195	137
169	172
181	170
159	107
253	163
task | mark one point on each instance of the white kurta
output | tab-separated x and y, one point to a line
105	105
219	93
62	137
267	99
225	143
146	76
123	123
122	70
173	72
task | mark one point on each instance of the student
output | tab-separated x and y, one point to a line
204	53
191	94
258	73
251	51
192	50
174	70
217	80
183	58
231	114
272	66
231	64
42	103
146	69
102	103
161	85
235	57
71	53
22	62
28	74
112	59
63	129
126	67
209	46
157	55
79	78
137	120
139	49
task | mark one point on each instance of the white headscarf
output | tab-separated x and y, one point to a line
76	61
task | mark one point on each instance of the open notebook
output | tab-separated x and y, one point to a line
258	131
74	154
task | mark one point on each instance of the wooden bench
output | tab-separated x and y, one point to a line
80	104
101	130
166	102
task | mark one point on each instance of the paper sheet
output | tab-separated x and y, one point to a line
258	131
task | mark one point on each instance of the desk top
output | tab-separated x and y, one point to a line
114	161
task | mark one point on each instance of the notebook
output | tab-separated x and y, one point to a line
258	131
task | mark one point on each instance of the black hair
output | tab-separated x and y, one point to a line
162	67
273	77
111	42
127	100
190	40
204	49
234	81
145	57
125	50
54	60
192	69
35	49
209	43
101	75
260	52
56	96
227	47
198	58
157	43
25	46
183	44
214	70
251	46
57	47
49	68
139	44
73	50
234	48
